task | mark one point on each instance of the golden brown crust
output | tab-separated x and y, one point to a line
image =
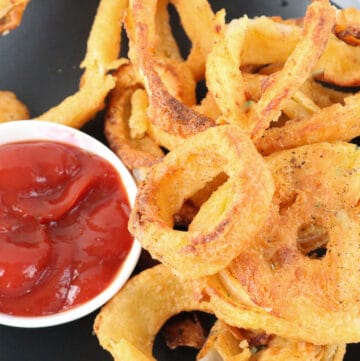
335	122
316	200
135	153
170	108
128	324
347	27
170	114
350	34
167	112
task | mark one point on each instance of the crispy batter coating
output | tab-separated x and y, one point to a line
128	324
229	218
335	122
135	152
302	270
101	57
318	22
11	108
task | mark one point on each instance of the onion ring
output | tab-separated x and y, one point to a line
228	344
168	113
336	122
197	24
318	22
167	110
241	203
134	152
302	274
157	293
223	77
101	56
277	38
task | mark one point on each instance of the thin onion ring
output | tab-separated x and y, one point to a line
135	153
335	122
101	56
318	22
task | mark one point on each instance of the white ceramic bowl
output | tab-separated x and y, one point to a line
26	130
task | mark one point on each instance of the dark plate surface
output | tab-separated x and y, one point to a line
39	62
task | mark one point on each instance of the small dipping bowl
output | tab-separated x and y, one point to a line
33	130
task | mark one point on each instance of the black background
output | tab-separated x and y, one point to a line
39	62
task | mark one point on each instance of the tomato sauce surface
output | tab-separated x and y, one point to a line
63	227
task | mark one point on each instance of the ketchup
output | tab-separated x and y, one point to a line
63	227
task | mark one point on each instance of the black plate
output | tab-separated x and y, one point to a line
39	62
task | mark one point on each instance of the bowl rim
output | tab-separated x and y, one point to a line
33	130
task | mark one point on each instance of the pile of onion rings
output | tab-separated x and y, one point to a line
159	294
273	95
248	195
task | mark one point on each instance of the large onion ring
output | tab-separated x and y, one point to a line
128	324
316	208
225	223
335	122
318	22
134	152
158	294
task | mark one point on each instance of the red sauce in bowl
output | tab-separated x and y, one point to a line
63	227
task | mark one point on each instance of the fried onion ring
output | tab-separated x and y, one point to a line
160	42
229	344
159	294
101	56
277	39
223	77
167	110
302	275
318	22
135	152
168	113
225	222
128	324
336	122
